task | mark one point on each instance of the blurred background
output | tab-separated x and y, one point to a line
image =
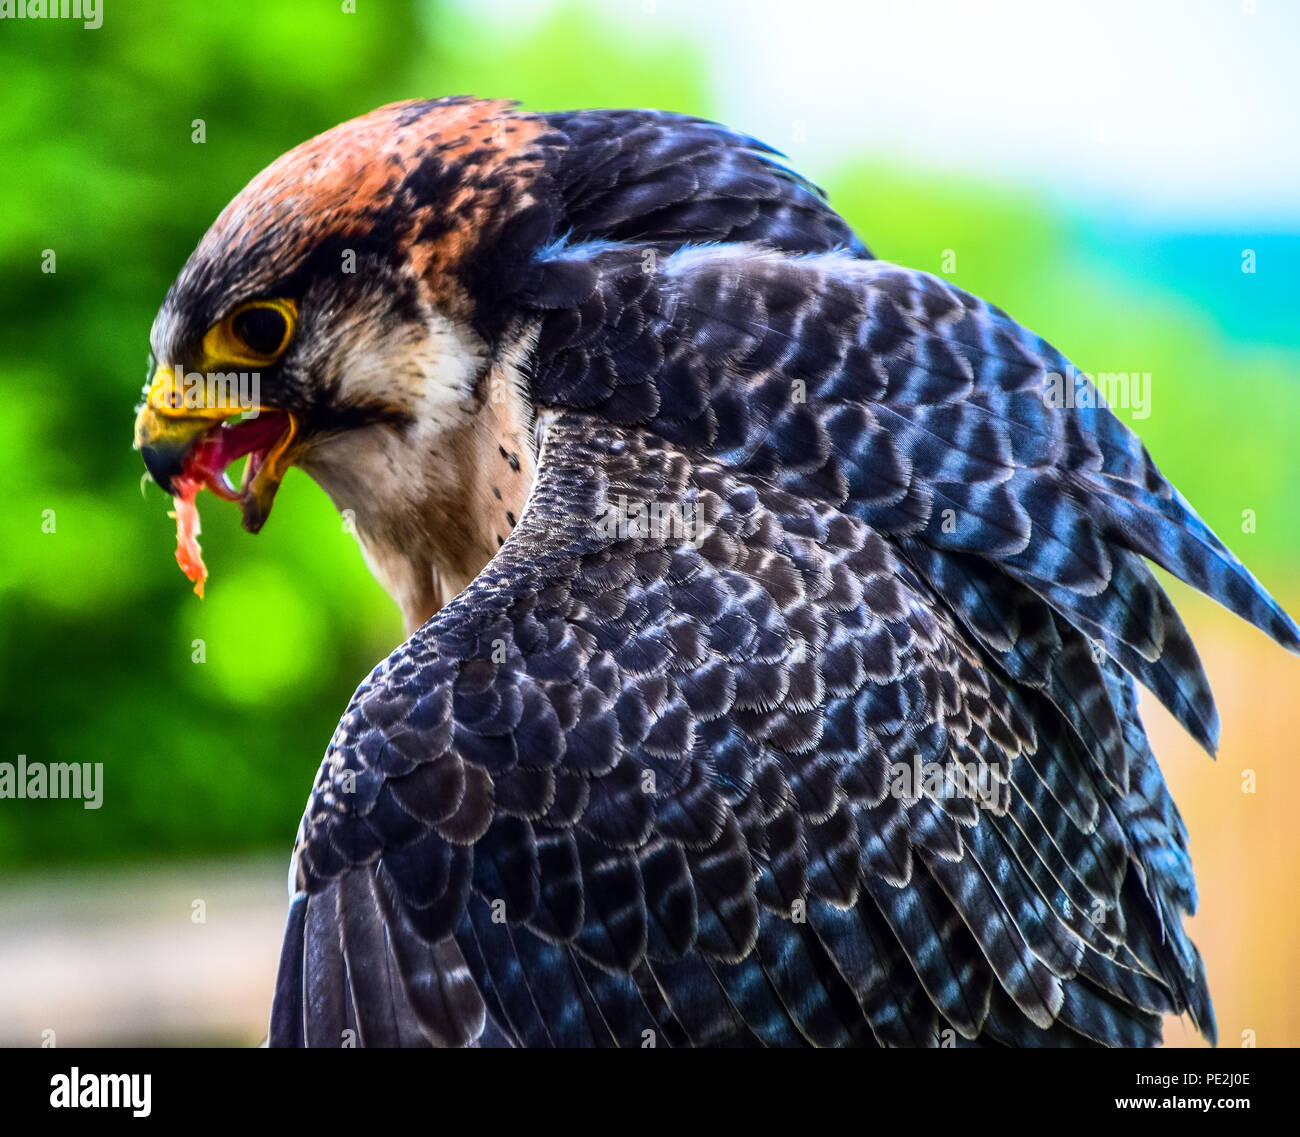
1123	178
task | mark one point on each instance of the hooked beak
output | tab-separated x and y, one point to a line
194	434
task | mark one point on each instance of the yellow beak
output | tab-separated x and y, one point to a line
166	429
178	414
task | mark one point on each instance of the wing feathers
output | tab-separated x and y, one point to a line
852	758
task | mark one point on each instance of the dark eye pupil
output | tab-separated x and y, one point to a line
260	329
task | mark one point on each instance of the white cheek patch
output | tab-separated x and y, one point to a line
433	500
424	369
427	371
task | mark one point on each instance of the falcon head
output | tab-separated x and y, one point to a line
338	316
353	311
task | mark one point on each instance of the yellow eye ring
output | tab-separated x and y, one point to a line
256	333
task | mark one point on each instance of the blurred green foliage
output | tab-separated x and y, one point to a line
98	630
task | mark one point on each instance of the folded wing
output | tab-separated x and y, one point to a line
797	710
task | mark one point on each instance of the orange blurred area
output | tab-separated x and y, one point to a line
1245	845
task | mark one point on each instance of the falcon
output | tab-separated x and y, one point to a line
773	634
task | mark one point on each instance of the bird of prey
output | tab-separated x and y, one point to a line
773	632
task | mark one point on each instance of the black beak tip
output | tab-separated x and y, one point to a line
164	463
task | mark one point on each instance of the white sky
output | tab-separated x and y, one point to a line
1189	111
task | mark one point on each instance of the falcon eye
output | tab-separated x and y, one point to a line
261	330
256	333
